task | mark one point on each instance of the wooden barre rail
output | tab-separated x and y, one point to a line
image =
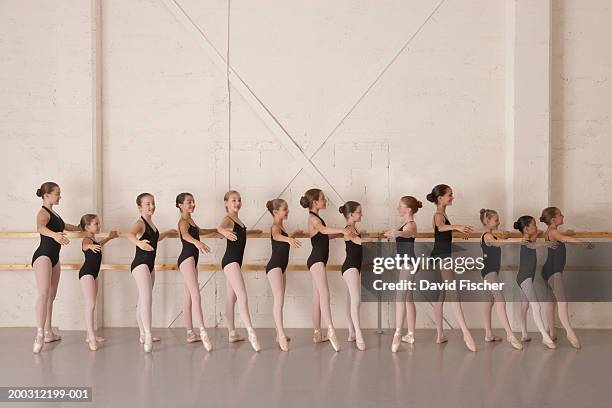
374	235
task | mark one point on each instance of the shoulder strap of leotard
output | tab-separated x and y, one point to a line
236	222
49	211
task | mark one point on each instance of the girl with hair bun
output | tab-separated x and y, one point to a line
189	233
351	268
442	196
90	224
404	239
314	200
528	260
491	251
234	230
553	268
275	269
46	262
145	236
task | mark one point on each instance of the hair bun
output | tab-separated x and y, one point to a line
269	205
304	202
38	192
431	198
516	225
341	209
483	210
542	219
419	204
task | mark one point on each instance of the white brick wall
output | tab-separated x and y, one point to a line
436	115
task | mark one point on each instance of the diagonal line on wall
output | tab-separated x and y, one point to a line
264	113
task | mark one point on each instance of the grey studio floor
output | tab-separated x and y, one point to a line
312	375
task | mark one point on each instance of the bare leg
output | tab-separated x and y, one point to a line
353	284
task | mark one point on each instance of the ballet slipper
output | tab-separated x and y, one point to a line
191	337
397	339
574	342
408	338
492	338
148	343
525	338
441	339
361	346
39	341
51	337
93	346
205	339
333	339
287	338
98	339
253	339
233	337
318	337
515	343
549	344
282	343
141	339
469	343
351	338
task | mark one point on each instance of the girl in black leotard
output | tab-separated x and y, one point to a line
351	268
275	269
145	236
45	261
189	234
90	224
404	238
315	200
491	250
235	231
442	196
553	267
526	273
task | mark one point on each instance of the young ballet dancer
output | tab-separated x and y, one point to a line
145	236
442	196
404	240
88	275
46	262
187	263
553	268
491	251
275	269
527	266
315	200
236	233
351	268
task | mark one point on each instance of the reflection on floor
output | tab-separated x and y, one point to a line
310	375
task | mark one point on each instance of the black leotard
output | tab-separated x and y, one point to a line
555	260
92	263
234	251
354	256
405	246
320	246
280	254
527	264
190	250
491	256
146	257
48	247
442	241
